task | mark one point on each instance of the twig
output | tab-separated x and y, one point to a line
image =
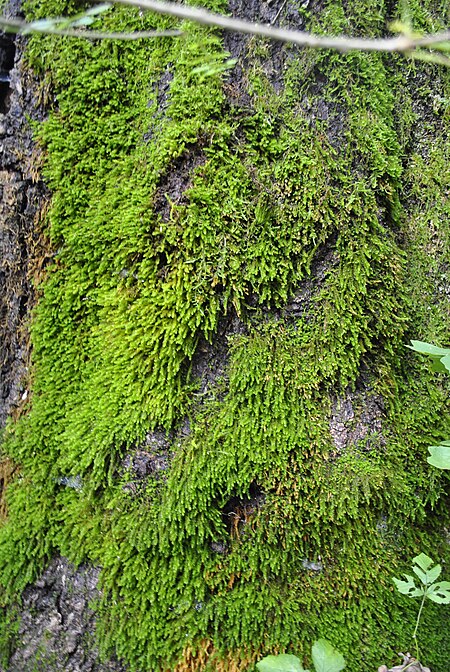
409	45
23	27
401	43
283	5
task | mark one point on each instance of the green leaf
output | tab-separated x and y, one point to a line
434	573
430	575
428	349
438	355
440	455
326	658
437	365
82	21
400	27
423	561
422	575
282	663
98	9
442	46
446	362
42	25
439	592
214	68
408	587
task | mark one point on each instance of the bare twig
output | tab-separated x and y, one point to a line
18	26
400	43
410	45
277	15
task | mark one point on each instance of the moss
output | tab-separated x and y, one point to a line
138	279
9	627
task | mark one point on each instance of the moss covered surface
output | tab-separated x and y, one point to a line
349	164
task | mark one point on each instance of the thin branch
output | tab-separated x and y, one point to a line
401	43
432	40
410	45
25	28
277	15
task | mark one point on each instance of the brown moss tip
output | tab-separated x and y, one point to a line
7	471
204	656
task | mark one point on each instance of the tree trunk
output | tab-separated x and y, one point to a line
221	418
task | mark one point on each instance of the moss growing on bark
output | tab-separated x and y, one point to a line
173	207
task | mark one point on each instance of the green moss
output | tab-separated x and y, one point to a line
9	627
255	198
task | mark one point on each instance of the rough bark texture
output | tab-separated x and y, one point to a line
21	200
223	422
57	623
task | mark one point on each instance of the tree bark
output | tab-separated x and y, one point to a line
222	420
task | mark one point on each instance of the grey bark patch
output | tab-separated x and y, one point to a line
57	623
151	459
302	302
160	103
163	88
409	663
356	419
312	566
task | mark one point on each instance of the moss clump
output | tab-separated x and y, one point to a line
172	208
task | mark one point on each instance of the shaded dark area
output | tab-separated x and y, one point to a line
7	53
172	188
301	303
152	458
238	513
210	360
242	47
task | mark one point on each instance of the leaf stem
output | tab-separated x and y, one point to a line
417	623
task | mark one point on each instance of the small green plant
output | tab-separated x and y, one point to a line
440	361
427	573
325	658
214	66
64	23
